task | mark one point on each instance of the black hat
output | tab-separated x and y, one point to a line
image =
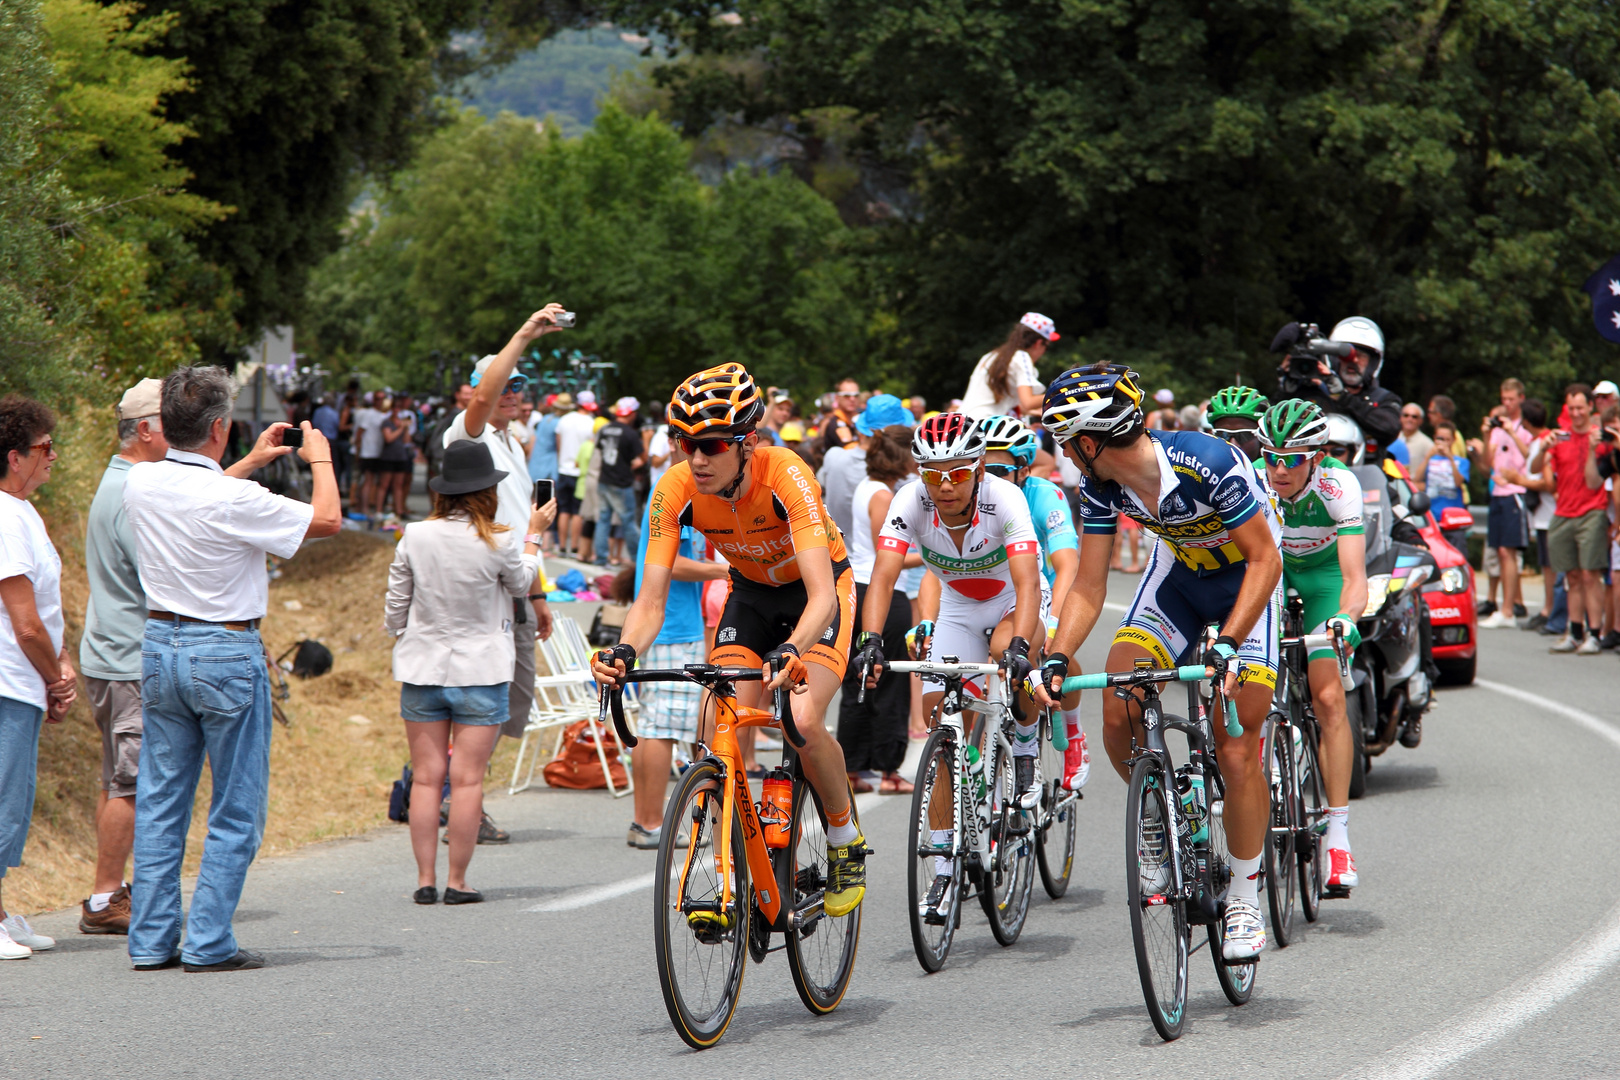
468	466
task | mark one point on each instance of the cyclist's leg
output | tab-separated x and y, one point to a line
1158	625
959	631
1026	746
1248	795
1337	744
1321	592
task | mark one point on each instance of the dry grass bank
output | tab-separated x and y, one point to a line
329	774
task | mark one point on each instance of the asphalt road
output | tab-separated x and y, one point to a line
1482	942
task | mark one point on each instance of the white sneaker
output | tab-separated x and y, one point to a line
17	928
1566	644
10	950
1588	647
1497	621
1245	932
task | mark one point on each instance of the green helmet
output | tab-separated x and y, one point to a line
1295	424
1244	401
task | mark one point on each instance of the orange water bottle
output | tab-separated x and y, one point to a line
776	807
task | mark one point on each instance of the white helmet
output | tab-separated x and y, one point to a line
1365	335
1343	431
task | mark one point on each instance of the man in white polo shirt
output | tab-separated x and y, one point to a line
201	536
496	400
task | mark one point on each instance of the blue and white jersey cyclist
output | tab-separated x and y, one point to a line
1215	561
1009	452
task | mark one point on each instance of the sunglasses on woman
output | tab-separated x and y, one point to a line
708	447
955	477
1286	461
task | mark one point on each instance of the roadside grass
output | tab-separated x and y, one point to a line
330	773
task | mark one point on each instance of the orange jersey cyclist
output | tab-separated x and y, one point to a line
1215	561
792	595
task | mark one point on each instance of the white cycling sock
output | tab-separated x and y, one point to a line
943	864
1025	741
1245	879
839	835
1338	828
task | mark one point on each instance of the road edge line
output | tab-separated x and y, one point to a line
1504	1012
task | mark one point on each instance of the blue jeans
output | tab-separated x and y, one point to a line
620	501
19	764
204	691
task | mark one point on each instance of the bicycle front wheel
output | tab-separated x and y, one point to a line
1158	918
1054	849
933	800
1312	822
1282	870
701	942
821	948
1009	876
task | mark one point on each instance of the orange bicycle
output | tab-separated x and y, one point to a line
732	873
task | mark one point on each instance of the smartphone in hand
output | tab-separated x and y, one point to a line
293	436
544	491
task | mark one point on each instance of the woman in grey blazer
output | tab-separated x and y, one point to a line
449	605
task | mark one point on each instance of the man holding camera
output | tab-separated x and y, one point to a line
1578	541
1347	385
1503	451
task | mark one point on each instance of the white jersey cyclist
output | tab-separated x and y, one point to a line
977	584
1206	489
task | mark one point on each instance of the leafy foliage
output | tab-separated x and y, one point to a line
561	79
1173	180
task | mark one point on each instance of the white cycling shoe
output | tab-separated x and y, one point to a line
1153	858
1244	936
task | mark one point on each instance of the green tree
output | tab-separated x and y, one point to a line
1173	180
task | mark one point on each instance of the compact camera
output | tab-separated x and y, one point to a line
564	319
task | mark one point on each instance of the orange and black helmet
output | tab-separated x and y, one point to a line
718	401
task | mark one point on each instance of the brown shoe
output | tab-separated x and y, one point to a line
112	919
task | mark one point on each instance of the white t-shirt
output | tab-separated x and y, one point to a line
1543	515
26	550
979	402
659	447
861	553
514	493
573	431
368	422
201	537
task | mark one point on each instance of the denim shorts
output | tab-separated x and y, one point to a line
472	705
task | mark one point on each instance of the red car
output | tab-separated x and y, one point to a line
1452	614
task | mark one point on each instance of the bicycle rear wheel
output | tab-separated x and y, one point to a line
937	768
1312	820
700	970
821	951
1237	980
1054	849
1158	919
1010	876
1282	869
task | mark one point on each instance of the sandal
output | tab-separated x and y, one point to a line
755	771
895	784
858	784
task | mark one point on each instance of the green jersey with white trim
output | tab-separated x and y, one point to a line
1312	521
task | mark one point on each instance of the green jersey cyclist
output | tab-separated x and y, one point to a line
1324	549
1234	415
1215	561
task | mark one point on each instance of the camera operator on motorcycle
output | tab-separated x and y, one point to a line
1340	373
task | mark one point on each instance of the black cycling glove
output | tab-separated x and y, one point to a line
1220	655
1054	671
1016	661
868	650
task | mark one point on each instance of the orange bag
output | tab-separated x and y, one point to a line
578	767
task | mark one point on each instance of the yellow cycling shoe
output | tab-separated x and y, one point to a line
709	926
846	877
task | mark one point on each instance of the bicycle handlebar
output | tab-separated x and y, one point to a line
703	675
1187	673
1334	641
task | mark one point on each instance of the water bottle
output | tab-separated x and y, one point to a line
776	808
974	780
1190	791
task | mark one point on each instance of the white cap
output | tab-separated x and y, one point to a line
145	398
1164	396
1604	387
625	406
1040	324
587	398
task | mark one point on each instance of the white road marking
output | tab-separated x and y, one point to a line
1503	1013
596	894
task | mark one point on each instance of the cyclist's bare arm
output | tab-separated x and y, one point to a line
928	594
641	625
1083	605
1065	565
1025	571
820	604
1353	566
1262	569
886	566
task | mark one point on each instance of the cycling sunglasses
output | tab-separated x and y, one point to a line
956	477
1001	469
1240	436
708	447
1286	461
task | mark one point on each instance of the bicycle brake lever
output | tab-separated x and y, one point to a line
615	697
784	714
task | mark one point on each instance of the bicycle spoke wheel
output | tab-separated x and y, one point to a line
1158	919
1237	980
1312	820
1010	876
932	802
1282	870
700	968
1054	850
821	950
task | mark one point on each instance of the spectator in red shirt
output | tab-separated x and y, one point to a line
1578	540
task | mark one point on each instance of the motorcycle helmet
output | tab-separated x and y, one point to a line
1295	424
1345	432
1365	335
1009	433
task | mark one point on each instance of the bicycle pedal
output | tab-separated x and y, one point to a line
1335	892
1246	962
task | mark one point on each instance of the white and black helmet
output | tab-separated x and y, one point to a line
947	437
1366	336
1343	431
1099	400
